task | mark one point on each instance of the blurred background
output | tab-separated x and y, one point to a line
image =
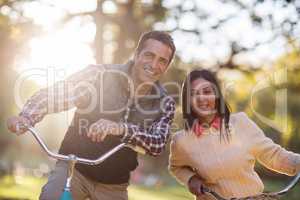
252	45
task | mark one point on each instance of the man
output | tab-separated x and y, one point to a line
124	102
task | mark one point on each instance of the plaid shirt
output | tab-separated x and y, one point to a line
65	95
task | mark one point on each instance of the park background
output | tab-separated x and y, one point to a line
251	45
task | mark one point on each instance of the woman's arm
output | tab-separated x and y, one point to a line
177	164
271	155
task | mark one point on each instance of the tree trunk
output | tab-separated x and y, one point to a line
98	41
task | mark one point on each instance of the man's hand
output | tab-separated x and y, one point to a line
195	186
17	124
99	130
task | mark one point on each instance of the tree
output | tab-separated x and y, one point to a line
119	28
226	32
13	35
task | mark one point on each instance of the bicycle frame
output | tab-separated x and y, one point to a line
72	160
271	195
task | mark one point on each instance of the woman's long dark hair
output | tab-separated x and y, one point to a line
189	116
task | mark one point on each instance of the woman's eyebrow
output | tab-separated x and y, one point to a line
207	87
203	87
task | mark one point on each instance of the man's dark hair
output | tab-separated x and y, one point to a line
161	36
189	116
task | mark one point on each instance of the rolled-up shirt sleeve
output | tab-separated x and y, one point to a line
63	95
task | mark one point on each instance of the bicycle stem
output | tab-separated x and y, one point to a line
71	164
73	159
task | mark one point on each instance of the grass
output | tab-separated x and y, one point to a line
20	187
162	193
29	188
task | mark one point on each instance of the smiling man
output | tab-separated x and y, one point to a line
115	103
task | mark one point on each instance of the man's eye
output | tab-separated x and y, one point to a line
163	62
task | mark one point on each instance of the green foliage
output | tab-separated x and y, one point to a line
20	187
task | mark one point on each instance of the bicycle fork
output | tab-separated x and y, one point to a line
66	195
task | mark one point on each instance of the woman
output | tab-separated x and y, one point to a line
217	149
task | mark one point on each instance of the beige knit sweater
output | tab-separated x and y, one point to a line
228	168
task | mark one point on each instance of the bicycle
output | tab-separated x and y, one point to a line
72	160
263	196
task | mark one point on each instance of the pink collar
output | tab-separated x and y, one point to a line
198	128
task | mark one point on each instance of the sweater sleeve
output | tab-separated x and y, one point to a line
270	154
177	164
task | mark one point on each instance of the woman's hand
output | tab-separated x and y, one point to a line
195	186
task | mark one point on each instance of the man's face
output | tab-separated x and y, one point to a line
152	61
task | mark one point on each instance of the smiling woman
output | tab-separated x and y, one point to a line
218	149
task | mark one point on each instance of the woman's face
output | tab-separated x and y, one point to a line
203	97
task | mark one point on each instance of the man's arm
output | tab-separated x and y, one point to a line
61	96
154	139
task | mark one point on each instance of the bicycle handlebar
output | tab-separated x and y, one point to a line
292	184
275	195
78	159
